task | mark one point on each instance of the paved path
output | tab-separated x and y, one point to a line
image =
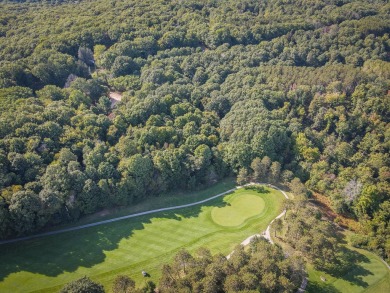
267	235
116	219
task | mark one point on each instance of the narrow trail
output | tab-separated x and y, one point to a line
116	219
267	234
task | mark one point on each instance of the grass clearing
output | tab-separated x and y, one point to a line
132	245
361	272
367	273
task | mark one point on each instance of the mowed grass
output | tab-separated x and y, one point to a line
367	274
162	201
238	209
130	246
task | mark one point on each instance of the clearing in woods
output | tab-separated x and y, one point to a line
129	246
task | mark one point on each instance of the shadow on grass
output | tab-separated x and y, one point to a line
258	188
317	287
348	267
66	252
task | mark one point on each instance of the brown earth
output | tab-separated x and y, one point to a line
115	97
324	204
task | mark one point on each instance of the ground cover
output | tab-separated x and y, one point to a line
238	209
361	271
132	245
366	273
164	200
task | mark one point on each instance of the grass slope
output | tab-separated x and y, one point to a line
132	245
367	273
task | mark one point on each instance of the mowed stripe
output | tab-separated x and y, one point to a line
129	246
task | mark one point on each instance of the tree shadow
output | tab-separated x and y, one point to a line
348	267
318	287
66	252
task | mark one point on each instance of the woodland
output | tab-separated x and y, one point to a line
281	91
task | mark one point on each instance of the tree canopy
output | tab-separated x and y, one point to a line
293	91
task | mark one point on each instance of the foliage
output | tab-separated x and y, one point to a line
270	91
129	246
83	285
263	268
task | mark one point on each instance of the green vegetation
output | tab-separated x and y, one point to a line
83	285
366	273
128	247
162	201
238	210
263	268
332	265
287	92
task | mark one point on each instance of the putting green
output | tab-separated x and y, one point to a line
132	245
239	209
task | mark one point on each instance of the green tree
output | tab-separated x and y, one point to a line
25	212
243	176
278	225
83	285
123	284
183	259
298	188
233	283
275	172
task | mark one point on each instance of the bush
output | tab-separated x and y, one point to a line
358	240
83	285
258	188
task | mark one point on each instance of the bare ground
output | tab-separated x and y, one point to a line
115	97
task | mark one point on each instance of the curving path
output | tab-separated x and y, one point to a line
116	219
245	242
267	235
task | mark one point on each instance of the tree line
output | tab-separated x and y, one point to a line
272	90
264	267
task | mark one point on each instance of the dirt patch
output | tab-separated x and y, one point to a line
115	97
323	203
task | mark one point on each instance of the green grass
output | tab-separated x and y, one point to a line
162	201
239	209
362	271
129	246
366	273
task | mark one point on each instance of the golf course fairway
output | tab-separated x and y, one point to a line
129	246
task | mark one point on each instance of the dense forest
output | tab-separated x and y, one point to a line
276	90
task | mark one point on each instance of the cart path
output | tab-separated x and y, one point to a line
128	216
116	219
267	234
